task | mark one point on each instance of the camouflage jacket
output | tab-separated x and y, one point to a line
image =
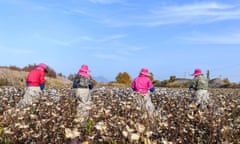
199	83
82	82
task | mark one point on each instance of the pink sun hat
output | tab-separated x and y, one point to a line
43	67
144	71
197	72
84	68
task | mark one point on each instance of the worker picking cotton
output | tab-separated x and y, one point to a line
35	83
200	87
142	86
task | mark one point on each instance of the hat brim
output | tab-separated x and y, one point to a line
146	74
83	70
196	74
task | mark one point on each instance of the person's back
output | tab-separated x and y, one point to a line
142	84
200	83
200	87
82	82
35	77
35	83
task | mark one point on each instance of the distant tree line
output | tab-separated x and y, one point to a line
124	79
28	68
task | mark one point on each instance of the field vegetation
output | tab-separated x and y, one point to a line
114	117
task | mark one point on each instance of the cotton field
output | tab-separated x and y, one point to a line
114	118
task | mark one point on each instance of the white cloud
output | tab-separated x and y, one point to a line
109	56
126	50
64	42
74	11
230	38
200	13
111	43
106	1
192	13
112	37
88	39
121	52
196	7
26	4
19	51
61	43
22	51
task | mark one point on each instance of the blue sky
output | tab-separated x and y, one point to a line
169	37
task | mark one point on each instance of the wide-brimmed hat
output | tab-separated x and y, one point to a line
84	68
43	66
144	71
197	72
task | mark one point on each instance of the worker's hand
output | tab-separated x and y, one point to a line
152	89
91	86
42	86
190	88
75	84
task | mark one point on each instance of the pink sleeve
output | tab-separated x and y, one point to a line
42	79
150	84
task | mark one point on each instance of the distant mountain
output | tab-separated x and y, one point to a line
100	79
